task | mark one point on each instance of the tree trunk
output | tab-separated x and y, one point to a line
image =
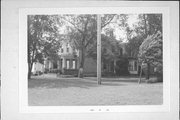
148	71
81	68
29	70
140	75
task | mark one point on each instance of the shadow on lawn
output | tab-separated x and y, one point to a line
65	83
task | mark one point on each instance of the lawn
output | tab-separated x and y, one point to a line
49	90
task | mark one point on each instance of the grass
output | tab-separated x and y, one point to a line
49	90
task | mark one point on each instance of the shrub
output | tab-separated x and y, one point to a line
70	71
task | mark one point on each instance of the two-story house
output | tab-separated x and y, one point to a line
69	58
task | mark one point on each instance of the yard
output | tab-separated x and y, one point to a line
50	90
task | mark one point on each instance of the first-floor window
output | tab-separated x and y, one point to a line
67	64
73	64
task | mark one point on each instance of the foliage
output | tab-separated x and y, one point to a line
110	48
151	50
82	31
42	38
149	24
107	19
132	47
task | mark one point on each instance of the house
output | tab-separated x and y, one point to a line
122	58
37	68
69	59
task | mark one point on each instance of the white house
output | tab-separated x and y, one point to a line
37	67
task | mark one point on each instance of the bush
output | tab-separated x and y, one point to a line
70	71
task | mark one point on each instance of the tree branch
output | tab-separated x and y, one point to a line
89	40
73	25
107	22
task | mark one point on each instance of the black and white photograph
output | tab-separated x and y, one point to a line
91	59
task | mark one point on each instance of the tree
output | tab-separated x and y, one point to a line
132	47
150	24
151	51
42	38
82	30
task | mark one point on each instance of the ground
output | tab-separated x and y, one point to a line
50	90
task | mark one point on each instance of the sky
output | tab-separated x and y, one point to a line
119	33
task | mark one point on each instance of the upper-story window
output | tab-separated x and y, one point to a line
67	50
62	50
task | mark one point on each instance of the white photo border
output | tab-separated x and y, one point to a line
23	82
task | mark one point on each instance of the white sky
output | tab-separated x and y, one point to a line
120	33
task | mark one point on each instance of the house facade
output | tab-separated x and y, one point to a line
69	59
133	65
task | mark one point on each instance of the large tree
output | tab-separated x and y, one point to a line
149	24
42	38
82	30
151	51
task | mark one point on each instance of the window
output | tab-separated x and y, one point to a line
67	64
67	50
62	50
130	65
74	64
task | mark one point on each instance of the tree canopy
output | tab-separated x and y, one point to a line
45	33
42	38
151	49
